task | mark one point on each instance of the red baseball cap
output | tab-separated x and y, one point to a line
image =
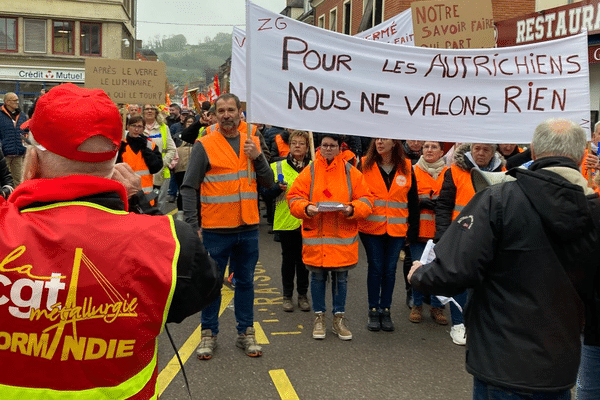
68	115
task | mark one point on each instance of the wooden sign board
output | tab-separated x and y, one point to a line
127	81
453	24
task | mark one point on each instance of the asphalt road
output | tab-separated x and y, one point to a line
416	361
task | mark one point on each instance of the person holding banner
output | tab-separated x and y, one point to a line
528	250
456	192
395	220
330	196
218	167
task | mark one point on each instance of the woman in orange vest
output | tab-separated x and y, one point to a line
395	218
330	196
457	191
140	152
429	171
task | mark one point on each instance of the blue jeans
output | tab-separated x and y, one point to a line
173	188
339	288
455	314
241	251
485	391
416	251
588	380
382	259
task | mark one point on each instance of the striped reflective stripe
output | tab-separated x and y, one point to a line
458	208
427	217
435	196
142	172
366	201
232	198
390	204
279	170
228	177
384	218
330	240
312	182
296	198
423	196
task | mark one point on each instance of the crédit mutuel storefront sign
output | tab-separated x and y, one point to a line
553	23
42	74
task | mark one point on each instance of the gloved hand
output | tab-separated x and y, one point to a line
427	204
137	143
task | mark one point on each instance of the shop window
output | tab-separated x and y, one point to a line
8	34
91	39
35	35
62	37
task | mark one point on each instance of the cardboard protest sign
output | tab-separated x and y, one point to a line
453	24
396	30
127	81
303	77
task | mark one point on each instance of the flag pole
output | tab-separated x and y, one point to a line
248	84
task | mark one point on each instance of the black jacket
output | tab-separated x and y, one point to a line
444	205
152	158
528	249
6	180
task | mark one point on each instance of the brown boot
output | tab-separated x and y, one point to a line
438	316
288	306
303	303
340	328
416	314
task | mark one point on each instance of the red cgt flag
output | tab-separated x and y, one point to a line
184	100
216	86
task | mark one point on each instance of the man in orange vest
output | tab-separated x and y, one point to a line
218	167
85	293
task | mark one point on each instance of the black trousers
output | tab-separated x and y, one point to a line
291	263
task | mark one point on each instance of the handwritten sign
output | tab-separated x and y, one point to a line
453	24
306	78
127	81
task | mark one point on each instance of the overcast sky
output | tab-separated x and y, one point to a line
173	17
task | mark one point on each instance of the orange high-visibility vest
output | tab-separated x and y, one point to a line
138	165
282	147
228	199
430	188
329	239
464	189
390	208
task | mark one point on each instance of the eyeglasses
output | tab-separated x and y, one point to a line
329	146
136	126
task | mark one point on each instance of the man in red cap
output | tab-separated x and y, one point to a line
87	285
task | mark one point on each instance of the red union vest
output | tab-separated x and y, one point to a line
82	300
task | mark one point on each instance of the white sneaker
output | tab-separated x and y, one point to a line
459	334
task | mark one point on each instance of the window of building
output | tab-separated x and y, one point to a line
91	39
8	34
333	20
35	35
63	37
321	23
377	12
347	18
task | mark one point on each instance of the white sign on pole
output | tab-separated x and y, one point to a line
396	30
306	78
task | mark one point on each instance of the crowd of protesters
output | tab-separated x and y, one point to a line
394	195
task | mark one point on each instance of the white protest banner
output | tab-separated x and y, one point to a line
307	78
396	30
237	84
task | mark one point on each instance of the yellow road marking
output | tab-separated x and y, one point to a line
286	333
261	338
185	352
270	320
283	385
